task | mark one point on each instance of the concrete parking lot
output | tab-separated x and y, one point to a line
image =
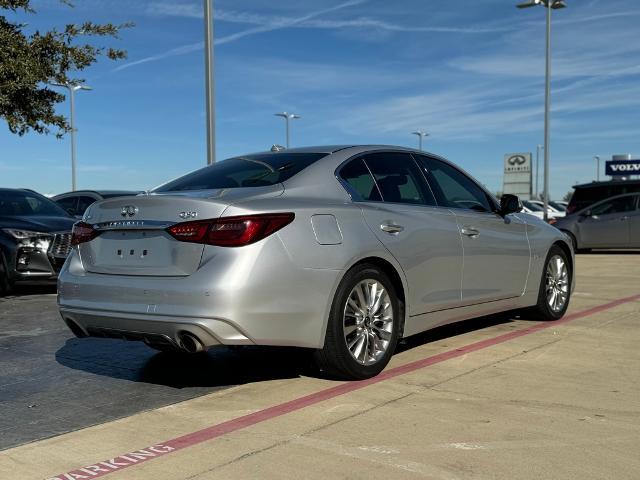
491	398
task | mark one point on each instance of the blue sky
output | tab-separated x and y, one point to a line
359	71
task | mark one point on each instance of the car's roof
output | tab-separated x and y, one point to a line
103	192
328	149
606	183
4	189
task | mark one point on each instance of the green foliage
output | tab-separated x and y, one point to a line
29	63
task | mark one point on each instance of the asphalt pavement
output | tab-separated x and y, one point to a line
52	382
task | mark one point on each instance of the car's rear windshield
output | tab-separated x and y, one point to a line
20	203
259	170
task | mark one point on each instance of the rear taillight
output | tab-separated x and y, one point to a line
82	232
231	231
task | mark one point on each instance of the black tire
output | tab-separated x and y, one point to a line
542	310
5	284
335	359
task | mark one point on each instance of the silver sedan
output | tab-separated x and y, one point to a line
612	223
340	249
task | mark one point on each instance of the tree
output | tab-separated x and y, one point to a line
30	62
567	196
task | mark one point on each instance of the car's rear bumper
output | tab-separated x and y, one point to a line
257	295
152	329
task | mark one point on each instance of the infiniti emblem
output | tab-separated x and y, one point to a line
129	210
517	160
185	215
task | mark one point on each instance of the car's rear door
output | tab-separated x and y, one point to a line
496	249
607	224
401	211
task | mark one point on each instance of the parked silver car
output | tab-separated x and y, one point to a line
611	223
341	249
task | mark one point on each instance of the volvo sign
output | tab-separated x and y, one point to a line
517	175
622	168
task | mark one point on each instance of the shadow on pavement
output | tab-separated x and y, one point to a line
453	330
611	252
220	366
31	290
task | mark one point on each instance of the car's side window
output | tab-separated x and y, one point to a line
357	176
399	178
618	205
453	188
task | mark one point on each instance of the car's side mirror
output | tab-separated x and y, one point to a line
510	204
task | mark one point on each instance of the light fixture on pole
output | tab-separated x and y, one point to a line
549	5
421	134
597	159
287	117
72	87
209	79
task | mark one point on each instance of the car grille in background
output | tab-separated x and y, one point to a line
61	245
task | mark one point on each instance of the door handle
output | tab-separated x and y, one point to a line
470	232
391	228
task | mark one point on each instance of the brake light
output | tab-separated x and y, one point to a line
231	231
82	232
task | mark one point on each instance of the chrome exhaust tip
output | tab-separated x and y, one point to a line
190	343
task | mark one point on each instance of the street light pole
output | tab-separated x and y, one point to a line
421	134
287	117
72	87
210	92
597	158
538	148
549	5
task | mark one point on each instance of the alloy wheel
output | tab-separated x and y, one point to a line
557	283
368	321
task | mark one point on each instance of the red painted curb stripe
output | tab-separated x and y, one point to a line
103	468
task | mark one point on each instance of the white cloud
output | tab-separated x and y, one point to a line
284	22
248	18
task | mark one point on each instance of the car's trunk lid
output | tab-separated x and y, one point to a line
133	239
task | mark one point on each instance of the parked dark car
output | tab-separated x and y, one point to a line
35	238
611	223
75	203
590	193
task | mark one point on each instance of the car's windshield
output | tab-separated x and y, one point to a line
26	204
532	206
248	171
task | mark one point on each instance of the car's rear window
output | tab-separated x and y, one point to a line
248	171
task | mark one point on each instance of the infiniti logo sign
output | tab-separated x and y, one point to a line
129	210
516	160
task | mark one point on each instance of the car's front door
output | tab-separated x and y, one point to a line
496	250
400	209
607	224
